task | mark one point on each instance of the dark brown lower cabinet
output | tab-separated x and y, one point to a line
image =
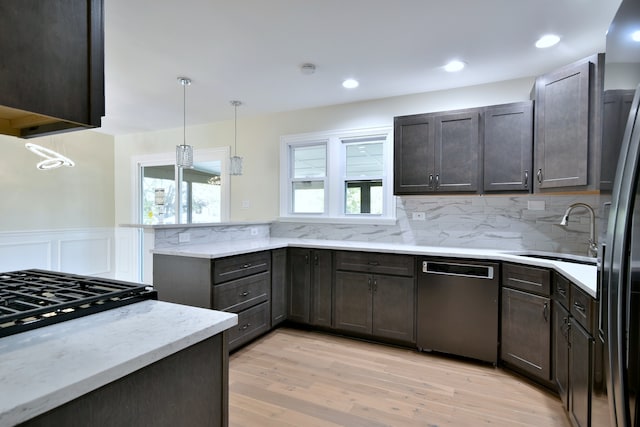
580	369
561	351
278	286
526	333
310	280
373	304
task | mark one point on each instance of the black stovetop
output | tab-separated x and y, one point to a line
33	298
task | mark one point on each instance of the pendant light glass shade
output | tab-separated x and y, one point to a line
235	168
236	165
184	152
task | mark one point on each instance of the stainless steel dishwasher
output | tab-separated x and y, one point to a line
458	308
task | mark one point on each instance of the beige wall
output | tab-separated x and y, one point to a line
259	140
81	196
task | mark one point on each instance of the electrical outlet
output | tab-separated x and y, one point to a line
418	216
245	204
254	231
536	205
184	237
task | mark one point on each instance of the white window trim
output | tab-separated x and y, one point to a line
210	154
335	177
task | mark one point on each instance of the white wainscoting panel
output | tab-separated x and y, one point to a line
88	251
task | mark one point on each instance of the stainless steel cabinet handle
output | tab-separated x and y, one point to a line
375	285
244	327
545	311
539	175
369	281
373	263
246	265
315	259
430	180
562	292
526	178
245	293
437	180
306	259
579	307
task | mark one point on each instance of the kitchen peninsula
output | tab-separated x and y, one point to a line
133	365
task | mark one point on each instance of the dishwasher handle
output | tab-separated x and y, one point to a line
458	269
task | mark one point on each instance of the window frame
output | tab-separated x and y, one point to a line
335	177
161	159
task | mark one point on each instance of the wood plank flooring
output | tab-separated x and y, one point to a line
300	378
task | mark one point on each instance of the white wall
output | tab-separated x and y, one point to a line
81	196
60	219
259	139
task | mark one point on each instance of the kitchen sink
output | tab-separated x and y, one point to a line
576	259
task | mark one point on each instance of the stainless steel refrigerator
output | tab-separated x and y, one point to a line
620	262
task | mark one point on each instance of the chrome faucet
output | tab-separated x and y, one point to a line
593	245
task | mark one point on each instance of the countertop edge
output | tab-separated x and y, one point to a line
578	273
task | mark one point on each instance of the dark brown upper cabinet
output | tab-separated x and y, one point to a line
436	153
52	71
508	147
568	126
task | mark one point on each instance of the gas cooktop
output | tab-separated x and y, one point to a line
33	298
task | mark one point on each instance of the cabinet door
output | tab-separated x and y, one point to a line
321	283
526	332
508	147
352	303
394	308
299	285
615	113
562	127
581	356
413	154
456	152
561	351
278	286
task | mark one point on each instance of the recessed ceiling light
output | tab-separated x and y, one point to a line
635	36
547	40
350	84
454	66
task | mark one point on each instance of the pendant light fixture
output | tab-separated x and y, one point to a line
184	152
236	161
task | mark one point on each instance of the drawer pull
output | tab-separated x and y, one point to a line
562	292
245	327
246	265
373	263
545	312
579	307
245	293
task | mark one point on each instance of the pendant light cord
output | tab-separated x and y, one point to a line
184	113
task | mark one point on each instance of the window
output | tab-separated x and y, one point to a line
309	174
337	175
203	190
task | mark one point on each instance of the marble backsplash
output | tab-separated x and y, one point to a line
169	237
489	221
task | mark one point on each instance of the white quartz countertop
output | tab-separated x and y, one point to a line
46	367
585	276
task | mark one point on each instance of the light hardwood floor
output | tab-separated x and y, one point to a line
300	378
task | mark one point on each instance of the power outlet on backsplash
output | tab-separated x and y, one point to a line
184	237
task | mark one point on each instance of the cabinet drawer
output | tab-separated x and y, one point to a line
251	323
235	267
370	262
583	308
527	278
561	290
240	294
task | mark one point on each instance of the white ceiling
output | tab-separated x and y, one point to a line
252	50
